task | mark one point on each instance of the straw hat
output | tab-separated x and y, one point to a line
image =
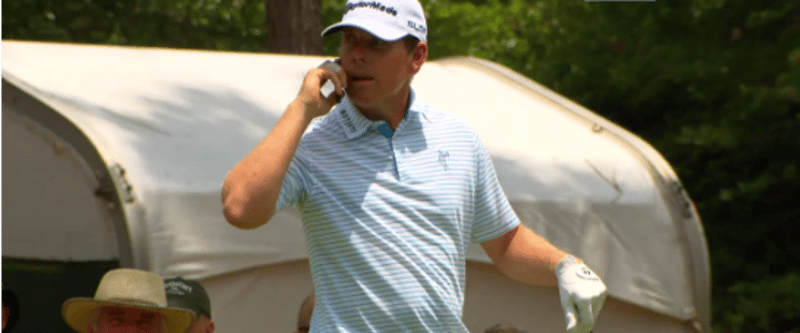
130	288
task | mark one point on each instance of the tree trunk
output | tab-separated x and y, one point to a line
293	26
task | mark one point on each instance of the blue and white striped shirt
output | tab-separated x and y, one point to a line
388	217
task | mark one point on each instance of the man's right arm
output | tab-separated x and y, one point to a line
252	187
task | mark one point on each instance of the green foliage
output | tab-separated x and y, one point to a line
331	13
202	24
769	305
713	84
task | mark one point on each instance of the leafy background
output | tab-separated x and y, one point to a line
714	85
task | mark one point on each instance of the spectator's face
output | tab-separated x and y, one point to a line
128	320
202	325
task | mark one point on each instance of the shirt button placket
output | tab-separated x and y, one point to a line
395	160
386	131
398	162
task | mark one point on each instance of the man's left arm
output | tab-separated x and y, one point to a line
525	256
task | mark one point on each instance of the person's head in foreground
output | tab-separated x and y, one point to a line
190	295
382	47
503	328
304	315
126	301
10	310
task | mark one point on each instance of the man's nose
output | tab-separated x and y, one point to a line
358	52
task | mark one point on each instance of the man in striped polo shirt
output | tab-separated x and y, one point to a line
392	191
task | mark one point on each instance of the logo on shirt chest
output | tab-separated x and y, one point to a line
443	155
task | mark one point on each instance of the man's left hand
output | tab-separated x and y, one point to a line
582	294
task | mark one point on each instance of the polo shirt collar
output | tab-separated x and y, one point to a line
354	124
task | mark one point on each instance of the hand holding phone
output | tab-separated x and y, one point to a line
318	85
329	87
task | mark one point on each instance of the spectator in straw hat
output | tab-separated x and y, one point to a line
127	300
190	295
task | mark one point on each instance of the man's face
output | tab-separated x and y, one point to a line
202	325
378	72
115	319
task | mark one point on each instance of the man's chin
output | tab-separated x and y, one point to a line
360	101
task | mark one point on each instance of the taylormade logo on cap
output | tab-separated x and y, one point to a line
388	20
373	5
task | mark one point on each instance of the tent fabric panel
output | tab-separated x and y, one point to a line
50	199
266	297
190	237
601	235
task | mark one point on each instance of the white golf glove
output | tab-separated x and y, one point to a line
582	294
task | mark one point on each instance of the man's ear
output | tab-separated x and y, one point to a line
419	56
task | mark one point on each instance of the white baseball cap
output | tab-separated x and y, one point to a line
388	20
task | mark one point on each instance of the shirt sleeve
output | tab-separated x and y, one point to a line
293	185
493	213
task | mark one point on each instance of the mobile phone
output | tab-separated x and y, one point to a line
329	88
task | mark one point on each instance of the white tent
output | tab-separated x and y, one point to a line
125	149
